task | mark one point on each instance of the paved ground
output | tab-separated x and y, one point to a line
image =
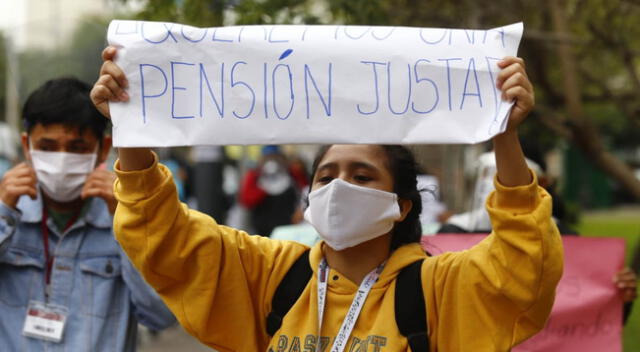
174	339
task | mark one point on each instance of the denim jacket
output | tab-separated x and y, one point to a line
91	276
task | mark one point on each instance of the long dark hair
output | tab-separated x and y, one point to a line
404	170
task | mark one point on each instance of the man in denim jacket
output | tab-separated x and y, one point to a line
65	285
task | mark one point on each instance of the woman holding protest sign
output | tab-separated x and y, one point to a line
368	283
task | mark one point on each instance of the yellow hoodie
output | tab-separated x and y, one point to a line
219	281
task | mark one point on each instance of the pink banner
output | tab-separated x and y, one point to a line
587	314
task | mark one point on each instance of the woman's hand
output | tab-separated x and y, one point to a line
111	84
515	86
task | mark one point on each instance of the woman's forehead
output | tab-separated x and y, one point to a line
348	153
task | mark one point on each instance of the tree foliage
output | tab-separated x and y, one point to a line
79	58
210	13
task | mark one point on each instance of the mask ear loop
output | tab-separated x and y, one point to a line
95	154
30	161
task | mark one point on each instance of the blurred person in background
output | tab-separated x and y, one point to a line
272	190
65	284
8	148
180	170
476	220
433	209
210	179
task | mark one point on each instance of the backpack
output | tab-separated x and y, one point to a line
409	301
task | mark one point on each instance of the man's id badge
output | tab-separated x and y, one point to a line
45	321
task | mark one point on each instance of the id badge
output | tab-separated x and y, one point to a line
45	321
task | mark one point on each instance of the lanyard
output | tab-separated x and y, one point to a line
45	240
354	311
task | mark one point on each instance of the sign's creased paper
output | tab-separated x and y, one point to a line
308	84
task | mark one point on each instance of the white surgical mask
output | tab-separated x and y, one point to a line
274	178
62	175
346	215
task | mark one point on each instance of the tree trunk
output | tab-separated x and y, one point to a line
585	135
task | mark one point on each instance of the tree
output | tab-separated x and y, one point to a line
79	58
212	13
582	131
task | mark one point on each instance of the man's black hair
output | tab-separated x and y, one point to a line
404	169
63	101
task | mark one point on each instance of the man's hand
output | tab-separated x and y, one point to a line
627	283
100	184
18	181
111	84
515	86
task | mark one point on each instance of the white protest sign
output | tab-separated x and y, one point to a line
308	84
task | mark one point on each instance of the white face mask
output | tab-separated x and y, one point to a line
274	179
62	175
346	215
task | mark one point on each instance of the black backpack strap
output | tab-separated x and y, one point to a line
410	308
288	291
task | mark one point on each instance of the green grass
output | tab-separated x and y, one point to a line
625	224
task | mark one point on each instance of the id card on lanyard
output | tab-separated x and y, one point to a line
45	241
351	318
46	321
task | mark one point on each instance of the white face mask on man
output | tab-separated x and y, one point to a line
62	175
346	215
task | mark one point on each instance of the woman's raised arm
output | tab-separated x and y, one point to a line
515	86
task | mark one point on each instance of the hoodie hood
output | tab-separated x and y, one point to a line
399	258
